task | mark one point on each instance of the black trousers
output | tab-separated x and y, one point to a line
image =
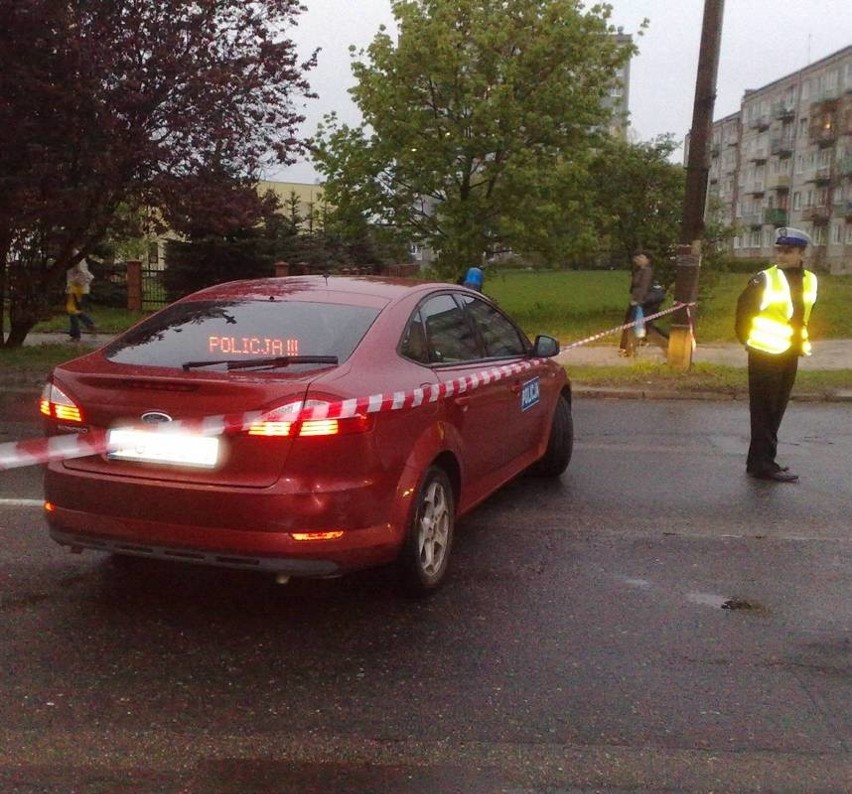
770	381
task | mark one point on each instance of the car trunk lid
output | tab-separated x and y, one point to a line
242	460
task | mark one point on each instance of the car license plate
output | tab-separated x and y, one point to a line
175	449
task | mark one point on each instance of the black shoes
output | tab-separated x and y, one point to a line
775	475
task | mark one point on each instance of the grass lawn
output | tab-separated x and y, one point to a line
574	305
571	305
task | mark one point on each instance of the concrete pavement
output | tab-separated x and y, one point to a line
828	354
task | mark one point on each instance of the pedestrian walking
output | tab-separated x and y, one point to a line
78	281
646	294
772	318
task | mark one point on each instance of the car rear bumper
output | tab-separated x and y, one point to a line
261	551
239	528
294	567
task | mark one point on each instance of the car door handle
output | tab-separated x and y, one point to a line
516	387
462	400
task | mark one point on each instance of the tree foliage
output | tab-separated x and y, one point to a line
637	196
477	126
130	103
207	256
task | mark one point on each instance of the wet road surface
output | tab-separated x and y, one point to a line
653	621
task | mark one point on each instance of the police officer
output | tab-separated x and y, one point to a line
772	322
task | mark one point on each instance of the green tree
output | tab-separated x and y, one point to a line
477	122
638	194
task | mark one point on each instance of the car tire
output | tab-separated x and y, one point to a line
560	445
425	554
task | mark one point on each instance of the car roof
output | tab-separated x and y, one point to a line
364	290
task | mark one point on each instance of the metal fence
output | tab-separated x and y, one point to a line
153	288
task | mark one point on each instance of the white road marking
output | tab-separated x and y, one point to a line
21	502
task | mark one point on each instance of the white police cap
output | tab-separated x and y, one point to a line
787	235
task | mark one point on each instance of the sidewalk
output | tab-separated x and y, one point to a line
828	354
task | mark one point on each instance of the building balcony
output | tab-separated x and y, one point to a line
755	189
760	123
844	167
758	156
817	215
827	98
781	183
783	147
784	113
843	209
822	176
824	136
753	219
775	216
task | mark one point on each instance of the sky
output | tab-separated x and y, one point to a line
762	41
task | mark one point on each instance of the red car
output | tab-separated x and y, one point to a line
376	412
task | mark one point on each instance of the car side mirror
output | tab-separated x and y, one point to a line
545	346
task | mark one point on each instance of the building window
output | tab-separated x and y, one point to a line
818	235
797	201
837	233
829	82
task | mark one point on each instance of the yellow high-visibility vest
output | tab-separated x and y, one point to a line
771	331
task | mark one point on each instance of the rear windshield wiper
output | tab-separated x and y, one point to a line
263	363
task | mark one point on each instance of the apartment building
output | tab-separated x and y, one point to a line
617	100
785	159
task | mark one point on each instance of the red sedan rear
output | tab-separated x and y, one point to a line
378	411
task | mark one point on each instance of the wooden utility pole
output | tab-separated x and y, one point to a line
682	342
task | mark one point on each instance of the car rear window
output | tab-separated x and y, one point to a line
220	331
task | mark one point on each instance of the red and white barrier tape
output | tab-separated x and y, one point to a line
44	450
617	328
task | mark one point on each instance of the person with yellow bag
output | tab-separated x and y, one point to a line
772	318
77	281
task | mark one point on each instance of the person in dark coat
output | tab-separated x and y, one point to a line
642	293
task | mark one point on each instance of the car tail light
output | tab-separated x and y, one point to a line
334	534
283	422
56	404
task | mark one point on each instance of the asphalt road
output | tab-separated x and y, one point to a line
653	621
